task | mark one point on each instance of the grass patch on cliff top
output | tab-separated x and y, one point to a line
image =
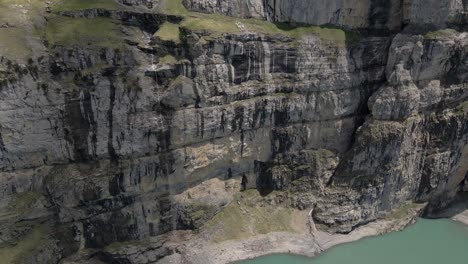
169	32
76	5
18	19
214	23
441	34
220	24
174	7
98	32
12	43
14	11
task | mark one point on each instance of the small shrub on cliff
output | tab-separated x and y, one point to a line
169	32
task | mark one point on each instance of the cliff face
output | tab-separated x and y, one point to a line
116	117
370	14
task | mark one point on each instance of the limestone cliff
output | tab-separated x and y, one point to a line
124	120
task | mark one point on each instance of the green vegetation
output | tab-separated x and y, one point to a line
168	59
74	5
20	204
403	211
169	32
13	11
96	69
19	17
116	246
244	217
13	254
99	32
181	80
23	3
16	41
174	7
197	215
12	43
28	26
211	22
219	24
462	108
440	34
22	14
24	201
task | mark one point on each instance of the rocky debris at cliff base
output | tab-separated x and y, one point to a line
123	132
458	211
200	252
187	247
462	217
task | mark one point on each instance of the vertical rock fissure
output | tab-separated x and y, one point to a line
110	120
2	144
80	123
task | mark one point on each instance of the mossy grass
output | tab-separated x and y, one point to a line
244	217
441	34
174	7
97	32
19	17
181	80
12	43
26	24
403	211
14	254
96	69
168	59
169	32
19	11
462	108
76	5
116	246
219	24
24	201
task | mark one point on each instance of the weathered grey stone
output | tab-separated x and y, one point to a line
120	149
398	101
353	14
246	9
433	12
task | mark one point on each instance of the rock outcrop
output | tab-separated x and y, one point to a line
354	14
370	14
156	117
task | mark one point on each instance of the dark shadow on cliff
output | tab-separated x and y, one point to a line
351	36
459	205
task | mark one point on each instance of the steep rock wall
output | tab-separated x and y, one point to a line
354	14
374	14
99	140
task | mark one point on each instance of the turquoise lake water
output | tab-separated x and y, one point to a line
426	242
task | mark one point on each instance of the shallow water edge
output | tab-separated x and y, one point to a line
201	252
426	242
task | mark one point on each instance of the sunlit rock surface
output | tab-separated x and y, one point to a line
122	121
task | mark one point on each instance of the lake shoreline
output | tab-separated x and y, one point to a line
199	251
457	212
461	217
426	241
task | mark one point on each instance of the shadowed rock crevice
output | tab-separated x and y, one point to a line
151	124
